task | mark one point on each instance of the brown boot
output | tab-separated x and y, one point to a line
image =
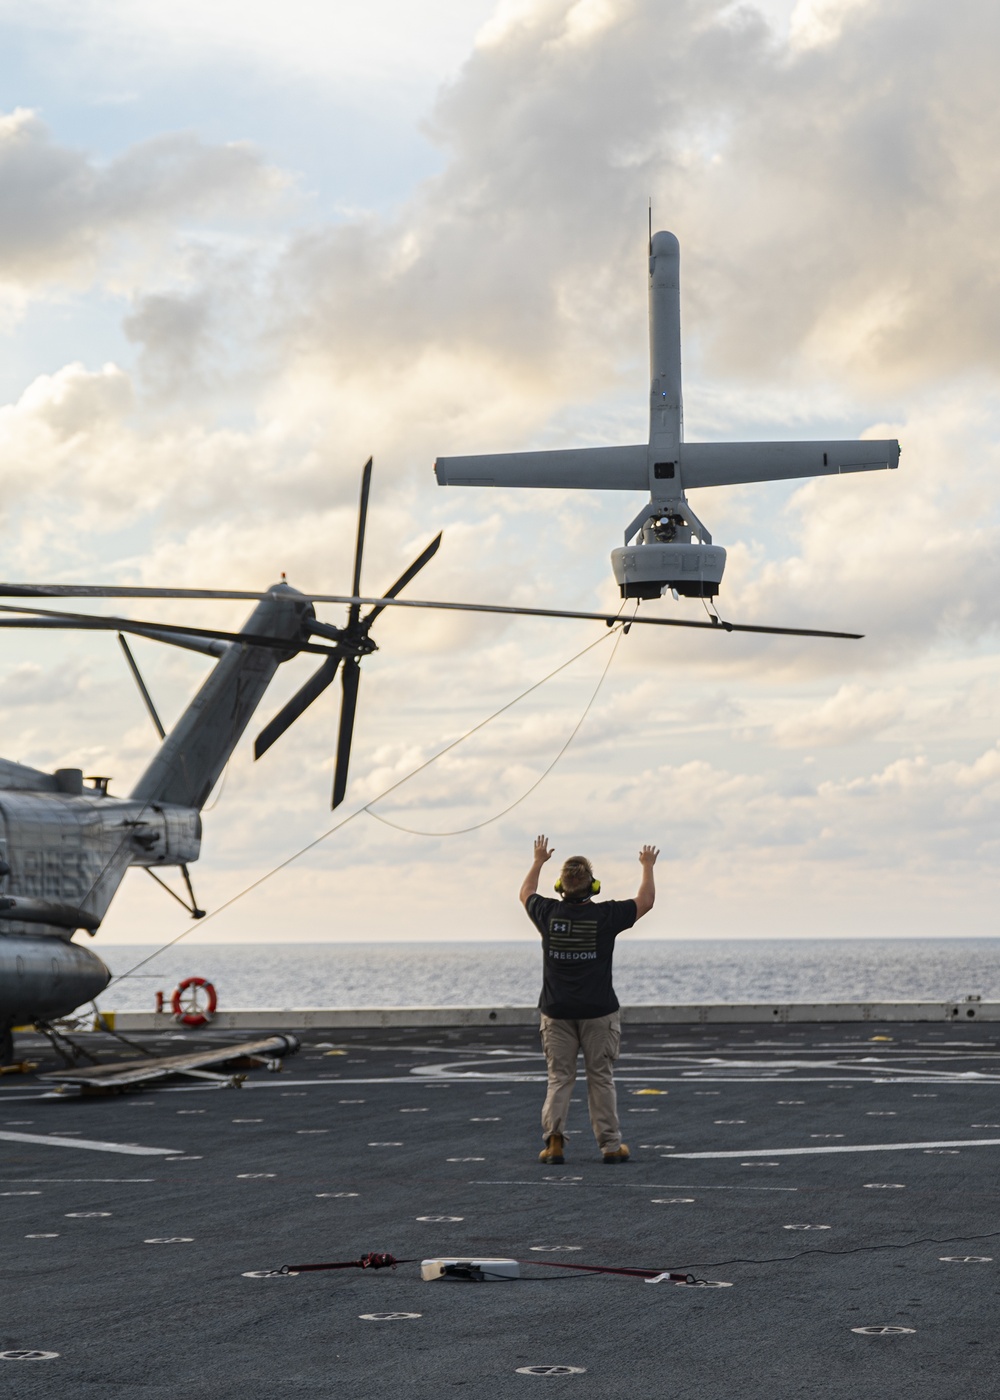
622	1155
552	1153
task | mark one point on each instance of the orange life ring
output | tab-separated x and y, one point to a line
196	1016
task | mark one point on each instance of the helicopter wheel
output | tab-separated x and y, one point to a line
6	1046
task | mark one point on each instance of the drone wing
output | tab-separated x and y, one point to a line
701	464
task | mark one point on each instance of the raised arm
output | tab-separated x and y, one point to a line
542	853
647	890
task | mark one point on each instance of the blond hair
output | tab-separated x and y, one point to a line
577	875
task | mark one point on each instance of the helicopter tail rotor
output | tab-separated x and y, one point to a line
405	577
354	611
298	704
350	679
351	643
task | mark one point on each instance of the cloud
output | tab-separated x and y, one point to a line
910	559
82	443
380	44
860	184
814	23
832	216
812	189
29	684
852	714
894	819
64	210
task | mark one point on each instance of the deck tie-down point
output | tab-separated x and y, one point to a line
476	1270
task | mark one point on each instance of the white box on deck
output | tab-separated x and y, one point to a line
475	1270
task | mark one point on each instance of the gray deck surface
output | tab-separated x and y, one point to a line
344	1153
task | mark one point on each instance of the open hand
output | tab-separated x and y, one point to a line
647	856
542	849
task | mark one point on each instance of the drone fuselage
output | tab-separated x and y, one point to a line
666	546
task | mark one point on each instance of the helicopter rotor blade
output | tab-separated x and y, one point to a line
206	645
350	678
298	704
404	578
357	601
156	631
354	611
100	590
606	617
609	618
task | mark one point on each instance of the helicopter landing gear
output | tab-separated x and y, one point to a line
68	1051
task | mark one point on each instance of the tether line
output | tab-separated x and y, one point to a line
323	836
478	826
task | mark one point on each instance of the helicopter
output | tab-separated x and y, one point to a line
666	546
66	842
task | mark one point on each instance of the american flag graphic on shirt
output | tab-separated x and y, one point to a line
572	936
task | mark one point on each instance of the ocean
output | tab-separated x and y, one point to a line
649	971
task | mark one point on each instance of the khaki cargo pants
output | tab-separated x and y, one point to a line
600	1040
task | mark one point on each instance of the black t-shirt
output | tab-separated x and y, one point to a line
578	943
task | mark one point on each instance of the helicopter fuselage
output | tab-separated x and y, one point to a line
43	977
65	847
62	857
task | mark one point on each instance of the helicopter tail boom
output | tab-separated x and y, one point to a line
190	760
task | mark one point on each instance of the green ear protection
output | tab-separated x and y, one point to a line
595	887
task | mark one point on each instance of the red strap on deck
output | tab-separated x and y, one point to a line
608	1269
367	1261
388	1261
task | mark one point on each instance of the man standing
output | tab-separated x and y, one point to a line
578	1003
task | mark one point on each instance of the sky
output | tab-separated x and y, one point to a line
245	246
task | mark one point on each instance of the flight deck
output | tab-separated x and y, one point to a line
831	1189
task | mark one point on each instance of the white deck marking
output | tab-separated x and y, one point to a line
815	1151
640	1185
128	1148
846	1076
680	1186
